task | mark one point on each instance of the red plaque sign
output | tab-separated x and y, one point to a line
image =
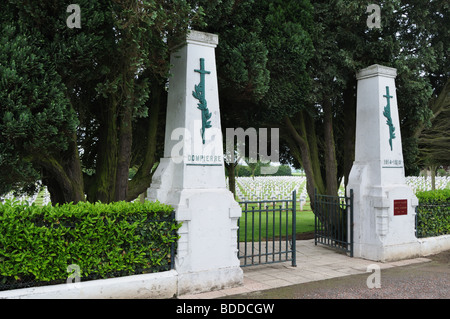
400	207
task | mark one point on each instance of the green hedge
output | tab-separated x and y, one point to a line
438	195
433	213
104	240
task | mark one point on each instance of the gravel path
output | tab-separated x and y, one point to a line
429	280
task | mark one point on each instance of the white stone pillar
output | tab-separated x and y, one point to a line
191	176
384	205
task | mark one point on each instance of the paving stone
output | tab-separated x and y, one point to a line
314	263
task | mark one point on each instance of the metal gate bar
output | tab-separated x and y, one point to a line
333	221
256	249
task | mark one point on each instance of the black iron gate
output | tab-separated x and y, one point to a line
267	231
333	215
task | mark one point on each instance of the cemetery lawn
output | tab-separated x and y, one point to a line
304	225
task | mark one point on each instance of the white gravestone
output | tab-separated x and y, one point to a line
384	205
191	176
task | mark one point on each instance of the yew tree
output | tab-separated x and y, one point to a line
81	106
263	50
311	51
321	135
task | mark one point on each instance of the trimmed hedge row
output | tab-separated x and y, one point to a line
438	195
105	240
433	213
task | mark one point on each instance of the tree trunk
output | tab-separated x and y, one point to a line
75	173
141	181
330	153
433	176
63	178
437	105
124	154
306	141
349	130
103	187
56	192
308	144
231	169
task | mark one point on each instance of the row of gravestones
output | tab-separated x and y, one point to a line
422	183
40	198
271	188
267	188
263	188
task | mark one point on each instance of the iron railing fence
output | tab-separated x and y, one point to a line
267	232
333	215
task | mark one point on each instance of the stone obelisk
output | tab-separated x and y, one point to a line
384	205
191	176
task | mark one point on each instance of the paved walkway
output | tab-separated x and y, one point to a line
313	263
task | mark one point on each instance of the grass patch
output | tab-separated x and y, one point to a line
263	225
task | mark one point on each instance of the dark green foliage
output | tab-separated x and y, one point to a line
287	34
434	141
72	99
241	53
35	115
38	243
262	54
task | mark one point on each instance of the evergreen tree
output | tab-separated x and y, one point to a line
321	136
73	98
263	50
